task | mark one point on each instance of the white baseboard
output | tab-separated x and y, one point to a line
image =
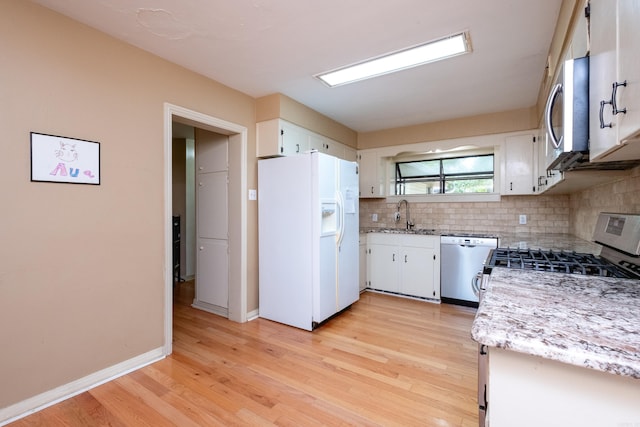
58	394
211	308
252	315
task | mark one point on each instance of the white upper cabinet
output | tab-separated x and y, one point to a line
278	137
614	112
544	152
371	184
350	154
327	146
519	165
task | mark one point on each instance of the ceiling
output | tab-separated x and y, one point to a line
261	47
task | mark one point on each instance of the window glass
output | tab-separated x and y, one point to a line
422	168
467	174
468	164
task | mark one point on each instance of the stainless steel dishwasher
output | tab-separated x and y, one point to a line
461	258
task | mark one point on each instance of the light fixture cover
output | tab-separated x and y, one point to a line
425	53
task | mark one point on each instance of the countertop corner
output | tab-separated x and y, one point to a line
580	320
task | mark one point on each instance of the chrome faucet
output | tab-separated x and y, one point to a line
407	214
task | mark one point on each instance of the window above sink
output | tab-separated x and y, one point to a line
463	174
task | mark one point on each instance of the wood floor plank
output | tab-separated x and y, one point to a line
386	361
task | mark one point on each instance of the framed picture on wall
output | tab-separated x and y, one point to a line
66	160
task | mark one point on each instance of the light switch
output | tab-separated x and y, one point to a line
253	194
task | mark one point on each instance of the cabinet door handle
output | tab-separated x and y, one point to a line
511	186
372	189
602	125
393	257
614	95
405	259
297	148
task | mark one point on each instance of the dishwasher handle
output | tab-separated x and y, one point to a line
475	283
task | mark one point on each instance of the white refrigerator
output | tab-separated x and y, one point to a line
308	238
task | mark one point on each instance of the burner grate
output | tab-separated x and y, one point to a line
557	261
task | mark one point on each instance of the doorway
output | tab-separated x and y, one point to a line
236	135
212	222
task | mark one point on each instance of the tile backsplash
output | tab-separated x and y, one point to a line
545	214
575	214
621	196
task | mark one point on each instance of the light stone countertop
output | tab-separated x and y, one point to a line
565	242
545	241
588	321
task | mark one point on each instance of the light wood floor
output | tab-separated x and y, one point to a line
387	361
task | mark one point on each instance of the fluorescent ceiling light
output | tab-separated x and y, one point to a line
408	58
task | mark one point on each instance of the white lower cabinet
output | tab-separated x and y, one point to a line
383	267
363	262
418	272
529	391
404	263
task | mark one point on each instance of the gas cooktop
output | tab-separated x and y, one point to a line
560	262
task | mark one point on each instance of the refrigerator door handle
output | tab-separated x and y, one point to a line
340	228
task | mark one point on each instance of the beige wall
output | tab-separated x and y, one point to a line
545	214
486	124
82	267
622	196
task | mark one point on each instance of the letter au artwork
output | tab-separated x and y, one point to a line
67	154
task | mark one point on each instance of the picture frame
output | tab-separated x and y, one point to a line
62	159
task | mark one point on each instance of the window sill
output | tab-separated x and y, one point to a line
446	198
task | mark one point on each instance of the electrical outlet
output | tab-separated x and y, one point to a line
396	217
374	217
523	219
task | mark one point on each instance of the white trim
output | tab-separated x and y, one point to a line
399	295
253	315
237	297
211	308
63	392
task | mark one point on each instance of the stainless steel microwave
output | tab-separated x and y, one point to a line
567	115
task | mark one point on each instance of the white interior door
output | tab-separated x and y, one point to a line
212	222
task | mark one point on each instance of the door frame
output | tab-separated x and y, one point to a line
237	211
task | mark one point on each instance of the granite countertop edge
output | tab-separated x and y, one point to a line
579	320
